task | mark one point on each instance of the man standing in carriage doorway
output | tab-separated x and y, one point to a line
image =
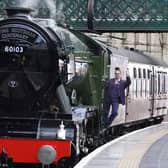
115	95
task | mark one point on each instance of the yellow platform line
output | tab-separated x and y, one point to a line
133	158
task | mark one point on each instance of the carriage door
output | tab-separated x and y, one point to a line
138	100
159	92
122	62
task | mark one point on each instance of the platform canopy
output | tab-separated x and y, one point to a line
101	15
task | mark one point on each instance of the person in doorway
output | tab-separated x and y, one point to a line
115	95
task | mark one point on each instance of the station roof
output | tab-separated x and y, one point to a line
117	15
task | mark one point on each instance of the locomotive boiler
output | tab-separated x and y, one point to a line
38	124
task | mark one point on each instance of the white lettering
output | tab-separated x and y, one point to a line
13	49
10	49
17	50
6	49
21	49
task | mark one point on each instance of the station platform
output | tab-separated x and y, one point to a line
145	148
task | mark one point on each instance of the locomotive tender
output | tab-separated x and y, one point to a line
52	91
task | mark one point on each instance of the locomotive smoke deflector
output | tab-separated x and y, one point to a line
19	12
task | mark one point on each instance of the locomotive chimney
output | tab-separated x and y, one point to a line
19	12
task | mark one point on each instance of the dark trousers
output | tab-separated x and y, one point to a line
109	119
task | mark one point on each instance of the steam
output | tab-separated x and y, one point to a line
60	14
35	4
28	3
52	7
55	7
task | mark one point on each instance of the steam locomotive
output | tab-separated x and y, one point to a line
52	91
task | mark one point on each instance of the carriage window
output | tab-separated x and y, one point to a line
135	72
144	73
164	82
159	83
139	73
151	84
149	71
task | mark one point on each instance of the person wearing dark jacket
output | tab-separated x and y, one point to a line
115	95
